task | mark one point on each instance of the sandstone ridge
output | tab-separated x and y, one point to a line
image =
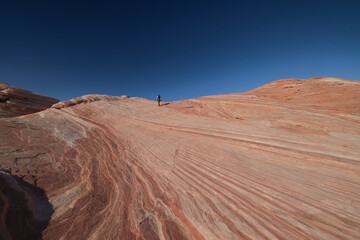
272	163
320	93
16	102
86	99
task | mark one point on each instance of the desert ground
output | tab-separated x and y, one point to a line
279	162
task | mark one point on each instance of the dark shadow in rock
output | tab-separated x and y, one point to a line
3	99
25	210
164	104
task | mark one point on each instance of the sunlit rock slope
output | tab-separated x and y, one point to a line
16	102
279	162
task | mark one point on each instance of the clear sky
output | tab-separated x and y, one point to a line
180	49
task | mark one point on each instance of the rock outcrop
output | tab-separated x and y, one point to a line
17	102
329	94
273	163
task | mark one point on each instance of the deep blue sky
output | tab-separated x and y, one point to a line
180	49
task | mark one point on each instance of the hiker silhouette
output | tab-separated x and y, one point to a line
158	98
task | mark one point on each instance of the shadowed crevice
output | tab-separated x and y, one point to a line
25	210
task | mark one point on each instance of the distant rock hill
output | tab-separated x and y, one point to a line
16	102
319	93
279	162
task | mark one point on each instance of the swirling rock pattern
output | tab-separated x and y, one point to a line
238	166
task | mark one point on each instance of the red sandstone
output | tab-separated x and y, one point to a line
279	162
16	102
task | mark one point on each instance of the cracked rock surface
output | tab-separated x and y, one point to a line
279	162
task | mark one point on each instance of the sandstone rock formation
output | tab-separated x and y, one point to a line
16	102
279	162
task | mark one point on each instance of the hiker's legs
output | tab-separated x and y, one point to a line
158	103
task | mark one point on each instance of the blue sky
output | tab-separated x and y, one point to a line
180	49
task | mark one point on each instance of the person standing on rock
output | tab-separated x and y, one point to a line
158	98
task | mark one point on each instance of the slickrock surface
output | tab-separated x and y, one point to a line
319	93
16	101
273	163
